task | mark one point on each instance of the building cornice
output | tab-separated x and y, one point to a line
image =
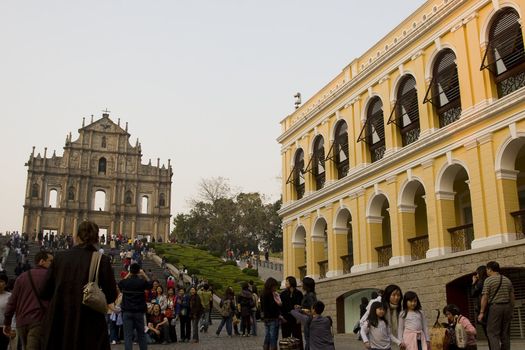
377	65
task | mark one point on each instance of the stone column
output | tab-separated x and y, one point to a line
38	221
133	228
317	256
362	256
340	248
397	237
62	225
407	228
477	190
440	244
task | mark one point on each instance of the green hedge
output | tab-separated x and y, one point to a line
219	273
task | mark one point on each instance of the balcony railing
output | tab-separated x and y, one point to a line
384	254
323	268
418	247
519	221
302	272
461	237
348	262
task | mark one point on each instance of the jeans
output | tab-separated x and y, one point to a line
226	321
272	333
185	328
134	321
204	322
114	331
195	331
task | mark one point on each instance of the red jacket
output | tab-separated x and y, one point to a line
23	300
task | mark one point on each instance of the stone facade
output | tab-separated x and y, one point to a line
100	177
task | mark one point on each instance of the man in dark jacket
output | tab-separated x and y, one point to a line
26	303
134	305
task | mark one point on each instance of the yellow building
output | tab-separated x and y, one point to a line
409	166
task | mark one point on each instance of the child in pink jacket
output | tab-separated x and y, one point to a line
454	317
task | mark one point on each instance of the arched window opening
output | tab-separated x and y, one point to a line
373	132
317	164
144	209
103	143
71	193
128	198
100	201
102	166
341	149
162	200
505	55
53	199
405	114
296	177
443	91
35	189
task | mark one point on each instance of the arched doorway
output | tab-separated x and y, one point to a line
380	229
299	252
458	292
347	307
343	236
456	207
414	224
510	172
320	247
99	202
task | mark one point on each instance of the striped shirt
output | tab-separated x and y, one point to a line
491	284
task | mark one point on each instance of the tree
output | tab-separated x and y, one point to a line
219	221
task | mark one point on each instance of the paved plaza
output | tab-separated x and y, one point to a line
209	341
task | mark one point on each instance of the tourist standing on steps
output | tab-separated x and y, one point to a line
291	297
4	297
206	298
498	300
195	314
133	305
271	307
26	304
245	301
68	323
227	309
183	309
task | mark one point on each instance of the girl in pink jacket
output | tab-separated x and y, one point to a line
454	318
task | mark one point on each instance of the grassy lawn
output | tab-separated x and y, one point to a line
219	273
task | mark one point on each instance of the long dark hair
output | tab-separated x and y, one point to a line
309	284
269	285
373	320
482	272
410	296
229	293
385	298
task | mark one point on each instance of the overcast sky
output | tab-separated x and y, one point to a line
204	83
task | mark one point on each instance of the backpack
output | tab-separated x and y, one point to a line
226	308
460	334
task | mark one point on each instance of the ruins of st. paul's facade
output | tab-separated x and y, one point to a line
100	178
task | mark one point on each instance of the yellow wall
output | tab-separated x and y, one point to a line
488	130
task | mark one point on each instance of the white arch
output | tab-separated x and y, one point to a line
507	152
408	190
317	228
299	235
99	203
395	85
373	203
484	32
144	204
446	184
366	104
52	200
432	58
340	217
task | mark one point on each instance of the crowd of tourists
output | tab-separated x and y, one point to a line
51	306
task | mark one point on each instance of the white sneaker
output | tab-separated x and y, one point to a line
113	343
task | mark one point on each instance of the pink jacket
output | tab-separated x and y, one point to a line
469	328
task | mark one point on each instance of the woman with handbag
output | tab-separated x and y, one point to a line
70	323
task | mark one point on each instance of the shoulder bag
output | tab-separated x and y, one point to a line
93	297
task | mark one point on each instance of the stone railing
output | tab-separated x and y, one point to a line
323	268
418	247
461	237
519	221
302	272
348	262
384	254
